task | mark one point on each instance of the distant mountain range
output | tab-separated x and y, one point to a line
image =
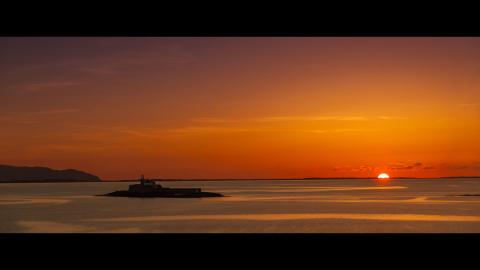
43	174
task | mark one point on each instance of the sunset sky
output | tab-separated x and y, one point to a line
242	107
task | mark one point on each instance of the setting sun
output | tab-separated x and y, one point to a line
383	176
164	134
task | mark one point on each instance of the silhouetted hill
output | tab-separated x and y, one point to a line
43	174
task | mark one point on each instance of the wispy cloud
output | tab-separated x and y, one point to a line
116	64
361	168
211	125
392	117
52	85
467	105
341	130
56	111
210	129
390	167
213	120
250	124
159	132
309	118
32	117
404	165
113	61
139	133
278	119
471	165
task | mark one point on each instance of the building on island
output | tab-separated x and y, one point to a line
145	185
149	186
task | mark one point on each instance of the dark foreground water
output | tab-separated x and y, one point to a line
346	205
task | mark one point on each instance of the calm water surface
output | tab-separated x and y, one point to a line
336	205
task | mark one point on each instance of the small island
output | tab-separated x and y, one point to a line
15	174
148	189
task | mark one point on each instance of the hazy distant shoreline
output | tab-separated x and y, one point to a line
286	179
233	179
27	174
15	174
194	180
45	181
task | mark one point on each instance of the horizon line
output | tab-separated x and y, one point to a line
290	178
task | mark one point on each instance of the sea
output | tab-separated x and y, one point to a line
249	206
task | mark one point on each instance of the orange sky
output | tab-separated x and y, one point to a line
242	107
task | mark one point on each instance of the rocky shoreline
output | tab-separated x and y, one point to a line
126	193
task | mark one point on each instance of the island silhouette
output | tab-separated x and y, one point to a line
147	188
15	174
